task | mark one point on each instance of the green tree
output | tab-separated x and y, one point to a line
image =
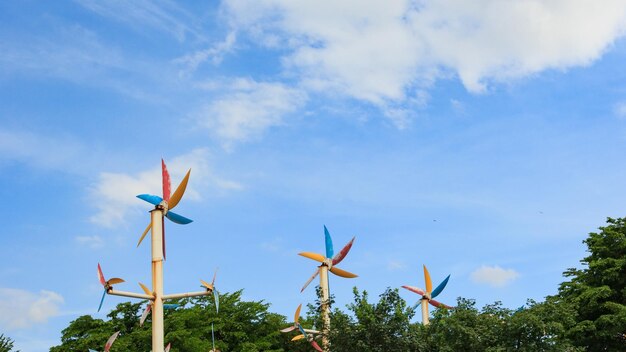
598	290
6	344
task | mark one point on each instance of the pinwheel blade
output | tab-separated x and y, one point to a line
110	341
114	281
90	350
329	243
289	329
163	236
417	304
167	187
167	348
143	235
206	285
317	271
417	290
179	219
145	314
216	298
344	251
302	330
180	190
296	316
171	306
102	300
146	289
316	346
440	288
429	283
101	276
297	337
214	277
152	199
335	270
317	257
212	336
438	304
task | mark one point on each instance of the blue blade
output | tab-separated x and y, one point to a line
216	297
179	219
302	331
329	243
171	306
440	288
417	304
213	336
154	200
102	300
90	350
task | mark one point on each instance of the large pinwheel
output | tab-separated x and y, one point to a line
107	346
167	202
429	294
106	284
304	333
330	260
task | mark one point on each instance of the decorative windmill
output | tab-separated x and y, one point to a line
162	208
107	346
106	284
304	333
428	295
210	287
328	263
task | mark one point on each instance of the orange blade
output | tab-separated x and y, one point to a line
335	270
114	280
429	283
296	317
299	337
206	285
317	257
145	232
146	289
178	193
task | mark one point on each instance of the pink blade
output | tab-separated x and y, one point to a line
145	314
438	304
167	348
109	343
101	276
415	290
316	346
291	328
342	254
167	187
310	279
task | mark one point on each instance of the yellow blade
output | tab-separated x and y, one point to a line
429	283
299	337
114	280
296	317
317	257
145	232
146	289
335	270
207	285
178	193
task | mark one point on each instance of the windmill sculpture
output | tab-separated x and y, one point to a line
328	263
156	295
304	333
428	295
210	287
107	346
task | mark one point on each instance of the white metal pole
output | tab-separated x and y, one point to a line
425	311
156	217
325	307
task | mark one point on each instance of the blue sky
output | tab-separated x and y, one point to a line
482	139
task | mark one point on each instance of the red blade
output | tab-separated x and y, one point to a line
214	276
167	187
101	276
438	304
415	290
342	254
107	346
316	346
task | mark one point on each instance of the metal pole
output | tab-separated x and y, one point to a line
156	217
425	311
325	307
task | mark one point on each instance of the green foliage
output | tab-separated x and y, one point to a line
6	344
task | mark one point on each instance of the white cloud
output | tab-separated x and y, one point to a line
215	54
22	309
117	192
493	276
620	110
249	109
93	242
382	52
394	265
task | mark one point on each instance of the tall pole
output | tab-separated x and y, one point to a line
325	307
156	217
425	311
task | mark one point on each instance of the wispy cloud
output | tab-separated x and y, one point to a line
21	309
494	276
214	54
394	265
249	109
345	47
619	110
93	242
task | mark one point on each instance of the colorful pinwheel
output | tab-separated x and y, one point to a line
167	202
149	305
210	287
106	284
429	294
304	333
330	260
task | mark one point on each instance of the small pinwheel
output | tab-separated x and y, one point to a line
330	260
210	287
149	305
107	284
304	333
167	202
109	343
429	294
